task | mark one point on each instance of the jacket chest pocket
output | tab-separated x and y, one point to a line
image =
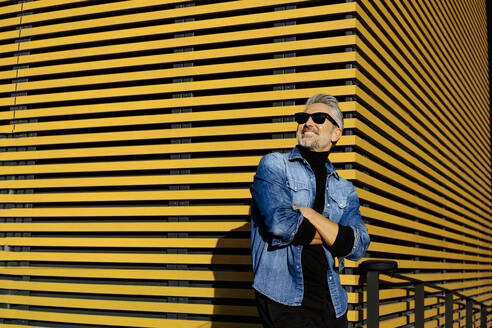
338	203
300	192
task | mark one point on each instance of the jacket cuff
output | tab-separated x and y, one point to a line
305	234
343	243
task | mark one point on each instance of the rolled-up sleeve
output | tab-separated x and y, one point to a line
274	202
353	219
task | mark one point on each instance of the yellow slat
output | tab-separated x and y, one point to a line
128	180
471	284
208	309
125	226
130	289
9	61
126	258
130	273
112	320
441	277
406	250
126	196
28	6
126	211
10	74
8	87
151	165
436	278
10	9
10	34
420	264
7	325
129	242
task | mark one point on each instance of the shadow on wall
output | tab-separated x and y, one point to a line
234	298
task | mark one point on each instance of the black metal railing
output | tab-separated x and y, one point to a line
373	268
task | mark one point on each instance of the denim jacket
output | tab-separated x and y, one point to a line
281	181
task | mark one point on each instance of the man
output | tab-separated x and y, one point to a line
303	216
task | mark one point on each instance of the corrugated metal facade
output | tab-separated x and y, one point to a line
131	131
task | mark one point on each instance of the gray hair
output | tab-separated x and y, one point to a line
331	102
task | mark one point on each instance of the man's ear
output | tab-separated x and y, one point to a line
336	135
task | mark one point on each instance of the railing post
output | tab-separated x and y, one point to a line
469	314
483	316
449	310
372	299
419	306
373	268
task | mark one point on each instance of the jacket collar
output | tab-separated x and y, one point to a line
296	155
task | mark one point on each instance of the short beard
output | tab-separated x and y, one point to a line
313	144
307	143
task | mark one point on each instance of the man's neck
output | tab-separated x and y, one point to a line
313	157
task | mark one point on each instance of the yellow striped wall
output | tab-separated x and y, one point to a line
131	131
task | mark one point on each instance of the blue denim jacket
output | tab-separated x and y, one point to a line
281	181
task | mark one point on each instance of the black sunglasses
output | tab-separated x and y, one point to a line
318	118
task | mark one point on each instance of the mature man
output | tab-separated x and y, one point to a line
303	216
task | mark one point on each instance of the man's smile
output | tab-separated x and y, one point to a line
309	133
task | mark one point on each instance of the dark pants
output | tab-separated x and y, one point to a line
276	315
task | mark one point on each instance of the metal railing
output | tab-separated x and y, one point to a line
373	268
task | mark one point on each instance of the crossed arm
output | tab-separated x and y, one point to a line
326	230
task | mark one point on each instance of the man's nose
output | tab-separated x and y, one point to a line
309	122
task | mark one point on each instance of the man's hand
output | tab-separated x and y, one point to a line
327	229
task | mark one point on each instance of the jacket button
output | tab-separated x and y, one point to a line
297	267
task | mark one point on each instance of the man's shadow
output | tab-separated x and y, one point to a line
234	298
